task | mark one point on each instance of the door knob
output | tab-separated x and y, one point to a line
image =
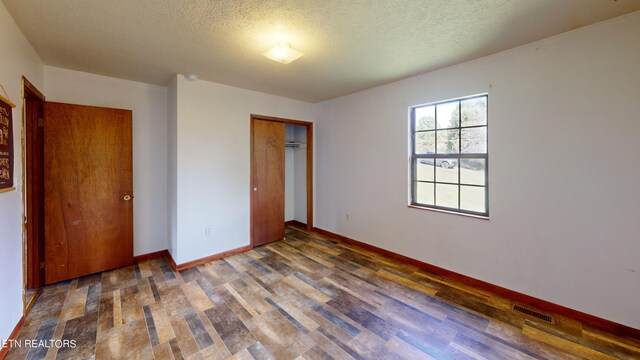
255	189
128	197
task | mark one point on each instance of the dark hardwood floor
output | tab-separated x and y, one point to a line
305	297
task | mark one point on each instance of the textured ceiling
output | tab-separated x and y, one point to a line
350	45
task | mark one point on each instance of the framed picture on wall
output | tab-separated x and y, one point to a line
6	145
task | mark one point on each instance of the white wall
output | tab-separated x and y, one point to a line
17	59
172	165
300	174
213	162
149	105
564	170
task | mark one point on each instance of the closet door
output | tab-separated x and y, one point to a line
267	181
87	190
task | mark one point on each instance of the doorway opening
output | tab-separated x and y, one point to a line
281	177
33	192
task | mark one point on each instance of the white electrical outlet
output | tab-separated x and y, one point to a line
207	231
348	217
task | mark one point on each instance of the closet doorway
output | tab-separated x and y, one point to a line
281	177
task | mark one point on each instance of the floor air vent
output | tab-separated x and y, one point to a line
534	314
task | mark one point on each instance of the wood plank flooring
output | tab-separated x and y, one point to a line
305	297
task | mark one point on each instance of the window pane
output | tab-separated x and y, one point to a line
474	140
472	198
424	193
447	195
454	136
425	142
472	171
424	169
425	118
448	142
474	111
448	115
446	170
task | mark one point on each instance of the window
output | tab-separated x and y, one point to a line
449	157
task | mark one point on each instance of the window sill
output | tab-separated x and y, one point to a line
449	212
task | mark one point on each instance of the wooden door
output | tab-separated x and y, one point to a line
88	188
267	185
34	159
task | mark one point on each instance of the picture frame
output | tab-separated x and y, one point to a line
6	145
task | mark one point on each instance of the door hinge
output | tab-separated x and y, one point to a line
42	265
40	122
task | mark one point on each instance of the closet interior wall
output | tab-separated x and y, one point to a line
296	174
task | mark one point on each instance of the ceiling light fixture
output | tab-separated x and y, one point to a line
191	77
282	53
